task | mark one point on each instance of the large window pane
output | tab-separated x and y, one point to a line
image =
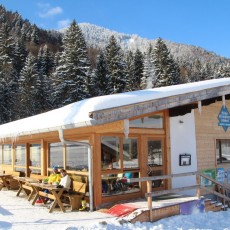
35	155
110	152
56	155
155	152
153	122
77	157
130	153
7	159
20	155
117	184
1	154
223	151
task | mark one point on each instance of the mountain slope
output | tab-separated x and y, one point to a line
98	37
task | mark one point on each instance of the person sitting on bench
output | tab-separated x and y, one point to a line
65	180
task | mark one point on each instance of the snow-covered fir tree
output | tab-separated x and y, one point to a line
138	69
148	76
129	71
71	76
8	76
34	38
29	82
115	67
100	77
45	68
166	70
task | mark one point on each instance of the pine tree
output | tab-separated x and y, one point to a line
148	77
8	80
138	69
100	77
34	39
71	76
45	67
166	70
19	56
115	67
130	72
29	83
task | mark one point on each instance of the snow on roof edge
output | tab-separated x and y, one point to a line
77	114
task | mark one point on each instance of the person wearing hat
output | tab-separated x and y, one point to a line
55	176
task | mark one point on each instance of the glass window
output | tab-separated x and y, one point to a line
116	184
222	151
20	155
154	121
7	159
1	154
21	170
35	171
110	152
130	153
56	155
35	155
155	152
77	157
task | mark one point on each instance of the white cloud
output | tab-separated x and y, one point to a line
48	11
63	23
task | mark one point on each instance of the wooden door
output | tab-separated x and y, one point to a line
156	161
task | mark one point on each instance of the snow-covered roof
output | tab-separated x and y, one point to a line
77	114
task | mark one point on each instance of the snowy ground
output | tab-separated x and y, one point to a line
18	213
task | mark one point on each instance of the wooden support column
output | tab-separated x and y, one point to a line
150	206
13	156
28	162
44	152
198	183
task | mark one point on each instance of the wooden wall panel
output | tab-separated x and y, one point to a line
207	131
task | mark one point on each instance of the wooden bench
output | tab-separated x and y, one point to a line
75	196
11	183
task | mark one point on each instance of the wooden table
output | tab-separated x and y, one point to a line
3	180
54	194
24	185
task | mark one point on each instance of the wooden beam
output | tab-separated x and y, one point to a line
164	192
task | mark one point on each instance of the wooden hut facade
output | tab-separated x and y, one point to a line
103	141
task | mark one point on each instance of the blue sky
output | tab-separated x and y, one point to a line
203	23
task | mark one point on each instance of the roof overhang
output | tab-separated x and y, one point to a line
137	109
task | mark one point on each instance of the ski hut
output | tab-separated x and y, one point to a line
105	140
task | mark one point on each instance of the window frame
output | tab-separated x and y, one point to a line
219	155
122	169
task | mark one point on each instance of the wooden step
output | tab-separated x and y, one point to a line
214	207
207	202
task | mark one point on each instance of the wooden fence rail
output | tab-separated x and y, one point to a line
222	191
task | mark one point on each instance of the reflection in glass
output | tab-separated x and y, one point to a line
155	161
77	157
117	184
153	122
110	152
35	171
155	152
35	155
7	160
20	155
223	151
130	153
1	154
56	155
